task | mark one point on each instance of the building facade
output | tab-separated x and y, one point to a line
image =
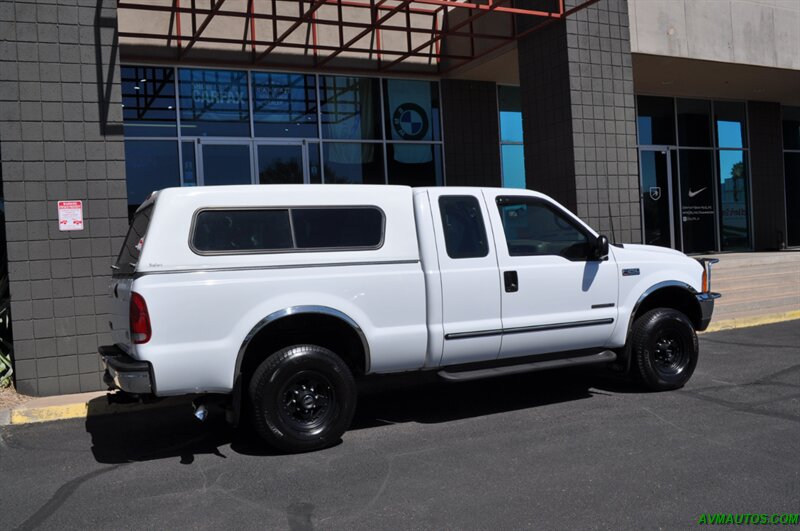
667	122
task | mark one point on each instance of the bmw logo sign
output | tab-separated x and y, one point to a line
410	121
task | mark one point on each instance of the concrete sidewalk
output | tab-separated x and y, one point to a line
756	288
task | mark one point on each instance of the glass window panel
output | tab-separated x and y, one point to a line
314	167
232	231
353	163
414	164
510	113
226	164
412	109
280	164
319	228
655	200
791	127
464	231
791	163
698	214
534	228
694	123
214	102
150	165
129	254
513	156
148	101
189	164
733	191
284	105
655	120
730	123
350	108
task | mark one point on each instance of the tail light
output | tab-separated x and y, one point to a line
140	320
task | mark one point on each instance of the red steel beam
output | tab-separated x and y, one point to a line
197	34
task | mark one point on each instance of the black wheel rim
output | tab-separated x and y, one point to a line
308	402
670	355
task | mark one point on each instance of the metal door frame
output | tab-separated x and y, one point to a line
666	151
216	141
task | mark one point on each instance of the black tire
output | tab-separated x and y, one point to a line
303	398
664	349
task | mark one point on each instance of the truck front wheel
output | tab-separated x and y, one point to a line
303	398
664	349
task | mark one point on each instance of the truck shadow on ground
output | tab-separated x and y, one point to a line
174	432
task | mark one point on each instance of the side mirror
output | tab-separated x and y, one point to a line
600	250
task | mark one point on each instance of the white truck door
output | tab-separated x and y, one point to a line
554	296
470	277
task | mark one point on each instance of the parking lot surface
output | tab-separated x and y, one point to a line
566	449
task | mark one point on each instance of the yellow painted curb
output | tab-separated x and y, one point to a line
746	322
46	414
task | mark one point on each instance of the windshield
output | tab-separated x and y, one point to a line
129	255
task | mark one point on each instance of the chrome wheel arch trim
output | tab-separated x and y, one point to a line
302	310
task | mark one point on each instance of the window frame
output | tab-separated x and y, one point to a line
556	210
294	248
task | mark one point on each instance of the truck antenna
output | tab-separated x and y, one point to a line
611	222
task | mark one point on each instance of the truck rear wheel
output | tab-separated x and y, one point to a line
303	398
664	349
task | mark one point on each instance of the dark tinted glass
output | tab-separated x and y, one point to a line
353	163
791	163
242	231
510	105
350	108
214	102
694	123
513	159
464	231
534	228
284	105
189	164
150	165
414	164
730	123
226	164
412	109
337	227
791	128
698	213
148	101
132	248
655	120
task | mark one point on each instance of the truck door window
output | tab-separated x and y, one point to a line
464	231
532	227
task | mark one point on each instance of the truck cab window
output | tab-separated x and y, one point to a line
534	228
464	231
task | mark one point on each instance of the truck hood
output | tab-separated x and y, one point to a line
636	247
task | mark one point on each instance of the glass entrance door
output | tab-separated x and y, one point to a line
225	162
283	163
655	170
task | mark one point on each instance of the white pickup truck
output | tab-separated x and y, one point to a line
280	296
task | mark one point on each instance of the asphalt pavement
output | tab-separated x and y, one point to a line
560	450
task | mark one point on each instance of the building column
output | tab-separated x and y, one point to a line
471	133
767	176
60	139
579	121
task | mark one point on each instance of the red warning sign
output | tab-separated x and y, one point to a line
70	215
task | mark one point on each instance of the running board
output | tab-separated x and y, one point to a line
462	376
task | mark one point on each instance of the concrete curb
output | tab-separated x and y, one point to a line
78	406
747	322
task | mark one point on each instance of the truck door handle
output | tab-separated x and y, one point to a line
511	281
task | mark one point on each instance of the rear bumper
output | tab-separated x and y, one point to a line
706	301
125	373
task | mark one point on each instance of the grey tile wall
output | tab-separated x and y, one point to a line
576	82
471	133
766	165
60	138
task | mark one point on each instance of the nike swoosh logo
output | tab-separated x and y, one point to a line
692	194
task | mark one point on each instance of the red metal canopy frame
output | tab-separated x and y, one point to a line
426	25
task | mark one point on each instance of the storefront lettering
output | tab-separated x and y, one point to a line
202	95
694	213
